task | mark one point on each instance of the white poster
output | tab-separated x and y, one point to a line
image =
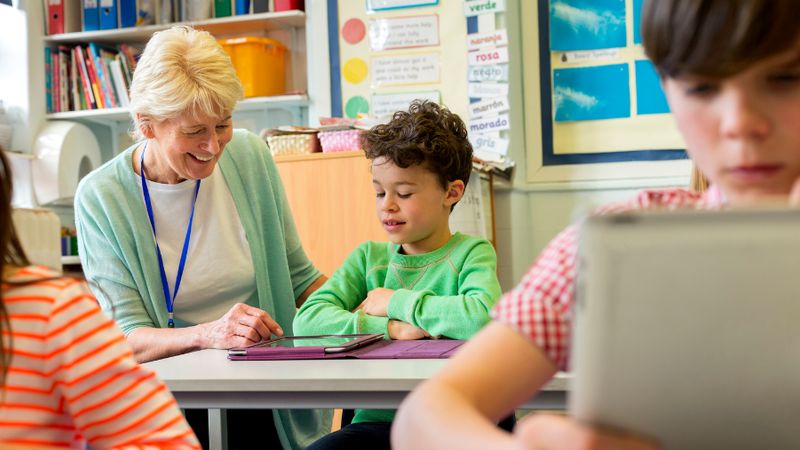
494	72
497	55
377	5
478	7
489	124
483	90
403	32
394	70
491	39
387	104
488	107
469	214
490	144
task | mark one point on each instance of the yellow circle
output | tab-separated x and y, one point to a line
355	70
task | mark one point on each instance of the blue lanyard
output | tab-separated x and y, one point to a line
164	283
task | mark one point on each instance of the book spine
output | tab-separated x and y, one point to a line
94	78
48	78
56	70
88	92
102	76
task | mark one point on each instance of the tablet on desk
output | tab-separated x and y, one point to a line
687	328
325	344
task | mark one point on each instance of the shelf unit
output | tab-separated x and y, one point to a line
303	33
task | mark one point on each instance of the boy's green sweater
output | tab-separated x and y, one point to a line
447	292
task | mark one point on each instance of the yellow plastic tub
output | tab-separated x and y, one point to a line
260	63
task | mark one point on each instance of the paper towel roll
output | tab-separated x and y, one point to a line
65	152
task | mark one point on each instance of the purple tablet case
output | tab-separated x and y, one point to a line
423	349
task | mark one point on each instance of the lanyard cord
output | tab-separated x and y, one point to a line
164	283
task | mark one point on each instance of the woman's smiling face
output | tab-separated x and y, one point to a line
187	147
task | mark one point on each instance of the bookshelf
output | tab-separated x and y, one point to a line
22	37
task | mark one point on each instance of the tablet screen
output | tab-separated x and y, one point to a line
310	341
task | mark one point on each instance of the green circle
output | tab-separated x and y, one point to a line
355	105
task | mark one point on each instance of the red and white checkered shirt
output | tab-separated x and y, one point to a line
539	306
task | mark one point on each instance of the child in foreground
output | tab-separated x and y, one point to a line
731	73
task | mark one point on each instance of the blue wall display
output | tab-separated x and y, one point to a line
591	93
587	24
637	21
650	98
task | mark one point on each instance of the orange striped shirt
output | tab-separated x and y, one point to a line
72	378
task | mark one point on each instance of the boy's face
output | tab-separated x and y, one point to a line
412	206
743	131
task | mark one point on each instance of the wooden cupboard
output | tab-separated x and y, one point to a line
333	204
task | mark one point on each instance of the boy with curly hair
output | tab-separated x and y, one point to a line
425	282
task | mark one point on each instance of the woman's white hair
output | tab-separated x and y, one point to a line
182	70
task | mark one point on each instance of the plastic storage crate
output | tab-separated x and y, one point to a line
260	64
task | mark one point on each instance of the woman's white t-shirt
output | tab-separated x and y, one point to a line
219	266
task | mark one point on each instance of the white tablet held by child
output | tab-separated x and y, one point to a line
687	328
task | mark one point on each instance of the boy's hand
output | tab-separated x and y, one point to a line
403	331
551	432
377	302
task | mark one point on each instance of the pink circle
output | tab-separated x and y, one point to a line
354	31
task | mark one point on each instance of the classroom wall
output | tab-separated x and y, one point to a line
529	215
527	221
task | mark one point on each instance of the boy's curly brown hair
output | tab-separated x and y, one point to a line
428	135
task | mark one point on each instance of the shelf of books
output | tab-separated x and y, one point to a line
88	74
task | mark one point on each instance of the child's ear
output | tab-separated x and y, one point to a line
455	190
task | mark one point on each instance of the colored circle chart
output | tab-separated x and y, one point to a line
355	105
355	70
353	31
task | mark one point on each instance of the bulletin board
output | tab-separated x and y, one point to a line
594	109
385	53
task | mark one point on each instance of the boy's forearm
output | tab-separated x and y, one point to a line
320	317
458	408
465	314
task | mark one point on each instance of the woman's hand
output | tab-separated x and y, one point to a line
404	331
551	432
242	325
377	302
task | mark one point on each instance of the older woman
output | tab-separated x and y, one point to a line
188	233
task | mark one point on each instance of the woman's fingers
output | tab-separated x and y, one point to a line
257	319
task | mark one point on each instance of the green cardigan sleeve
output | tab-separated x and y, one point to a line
454	316
329	310
106	237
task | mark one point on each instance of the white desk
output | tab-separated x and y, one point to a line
207	379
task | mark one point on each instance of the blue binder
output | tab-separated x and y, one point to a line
91	15
242	7
127	13
108	14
